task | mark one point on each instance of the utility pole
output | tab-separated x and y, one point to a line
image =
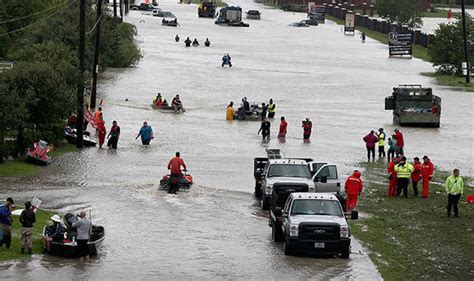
96	54
121	10
466	56
80	88
115	9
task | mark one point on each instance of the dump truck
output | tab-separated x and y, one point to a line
414	105
207	9
232	16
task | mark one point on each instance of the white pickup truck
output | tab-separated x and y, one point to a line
312	222
297	174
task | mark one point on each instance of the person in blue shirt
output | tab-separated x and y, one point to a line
146	134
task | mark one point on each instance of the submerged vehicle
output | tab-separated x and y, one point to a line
184	183
253	15
231	16
70	134
207	9
39	154
414	105
311	222
301	23
68	247
163	14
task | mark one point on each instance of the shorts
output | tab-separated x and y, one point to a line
82	248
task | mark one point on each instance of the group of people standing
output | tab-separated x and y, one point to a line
396	144
267	111
195	42
114	134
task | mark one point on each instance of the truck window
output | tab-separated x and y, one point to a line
316	207
330	172
289	170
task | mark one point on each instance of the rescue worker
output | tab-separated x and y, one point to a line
381	135
362	36
27	219
271	109
146	133
404	170
427	169
177	104
230	112
392	176
454	188
114	135
6	222
195	43
176	38
207	43
226	59
353	188
158	101
392	149
283	126
416	175
370	141
307	126
187	42
265	129
175	171
263	114
98	115
400	141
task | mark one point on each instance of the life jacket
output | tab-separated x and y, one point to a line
271	107
404	171
382	139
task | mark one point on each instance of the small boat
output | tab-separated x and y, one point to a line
255	114
166	108
39	154
68	247
166	22
185	182
70	134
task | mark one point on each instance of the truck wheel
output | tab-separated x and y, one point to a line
134	9
265	205
258	190
277	234
346	252
287	248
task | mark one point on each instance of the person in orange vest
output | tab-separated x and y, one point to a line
102	133
392	176
353	188
416	175
98	115
427	169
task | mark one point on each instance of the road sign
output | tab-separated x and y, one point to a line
349	26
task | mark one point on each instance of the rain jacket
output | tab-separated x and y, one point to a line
416	174
454	185
353	184
175	165
371	140
404	170
5	215
427	169
230	113
399	137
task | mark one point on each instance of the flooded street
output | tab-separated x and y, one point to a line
216	230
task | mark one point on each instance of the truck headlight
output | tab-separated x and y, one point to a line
269	189
294	229
345	231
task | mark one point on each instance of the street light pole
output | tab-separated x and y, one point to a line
466	56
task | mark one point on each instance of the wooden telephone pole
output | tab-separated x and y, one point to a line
80	86
96	55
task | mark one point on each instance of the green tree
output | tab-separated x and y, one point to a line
447	50
405	12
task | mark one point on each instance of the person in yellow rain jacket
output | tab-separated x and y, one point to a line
230	112
454	188
404	170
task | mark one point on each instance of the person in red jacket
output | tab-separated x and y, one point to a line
400	141
370	141
353	188
283	126
392	176
416	175
307	126
427	169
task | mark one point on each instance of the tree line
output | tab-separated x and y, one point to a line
41	38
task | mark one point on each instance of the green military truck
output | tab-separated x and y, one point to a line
414	105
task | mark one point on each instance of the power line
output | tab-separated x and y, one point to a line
34	14
33	23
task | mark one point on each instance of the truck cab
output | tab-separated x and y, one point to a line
292	174
312	222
